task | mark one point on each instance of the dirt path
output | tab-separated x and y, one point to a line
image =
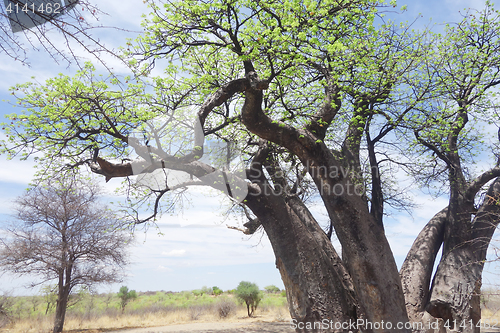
227	327
215	328
235	327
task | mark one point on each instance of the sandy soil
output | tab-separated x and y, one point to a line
217	327
230	327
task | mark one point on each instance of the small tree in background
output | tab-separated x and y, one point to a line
5	310
216	291
49	294
272	289
64	234
125	296
250	294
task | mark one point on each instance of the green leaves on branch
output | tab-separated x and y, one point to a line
69	117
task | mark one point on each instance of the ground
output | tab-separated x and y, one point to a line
218	327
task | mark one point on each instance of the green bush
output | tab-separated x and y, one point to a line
216	291
125	296
250	294
272	289
5	310
203	291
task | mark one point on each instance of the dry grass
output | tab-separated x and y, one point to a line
129	320
490	312
154	315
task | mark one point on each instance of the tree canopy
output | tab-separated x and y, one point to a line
249	293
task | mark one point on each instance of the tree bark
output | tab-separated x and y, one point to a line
61	305
368	256
370	261
62	299
456	287
416	271
319	288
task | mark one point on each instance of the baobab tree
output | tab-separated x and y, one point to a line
317	99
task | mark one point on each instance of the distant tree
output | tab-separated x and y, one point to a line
216	291
272	289
5	309
49	295
21	29
206	290
125	296
64	233
35	300
250	294
107	298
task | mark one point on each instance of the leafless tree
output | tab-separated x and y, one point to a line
63	233
69	26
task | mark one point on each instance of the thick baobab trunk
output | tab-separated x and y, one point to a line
456	287
366	251
369	259
319	289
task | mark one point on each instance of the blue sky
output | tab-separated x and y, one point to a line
196	248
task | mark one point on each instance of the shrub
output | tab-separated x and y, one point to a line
196	311
283	293
225	308
5	309
272	289
216	291
250	294
206	290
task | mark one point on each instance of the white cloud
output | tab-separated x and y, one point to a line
16	171
174	253
164	269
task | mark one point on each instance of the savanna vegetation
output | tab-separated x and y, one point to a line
88	310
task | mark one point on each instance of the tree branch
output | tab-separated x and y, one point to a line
480	181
